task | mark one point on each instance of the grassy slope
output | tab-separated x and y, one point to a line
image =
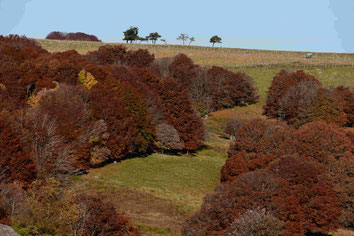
158	192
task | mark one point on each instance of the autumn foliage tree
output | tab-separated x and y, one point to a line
16	162
298	98
346	94
178	112
128	121
79	36
323	148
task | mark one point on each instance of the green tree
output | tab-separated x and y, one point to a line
131	34
154	37
215	39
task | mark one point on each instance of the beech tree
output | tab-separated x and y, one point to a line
16	161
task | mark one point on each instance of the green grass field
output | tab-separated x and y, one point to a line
159	191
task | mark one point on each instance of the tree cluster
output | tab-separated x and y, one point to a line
301	178
79	36
63	113
210	89
299	98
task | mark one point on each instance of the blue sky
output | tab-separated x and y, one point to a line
301	25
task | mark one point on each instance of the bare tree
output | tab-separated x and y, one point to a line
192	39
183	37
201	92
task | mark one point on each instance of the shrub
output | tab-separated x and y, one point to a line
201	92
323	142
97	217
243	162
281	83
47	210
347	95
110	55
230	89
29	46
263	137
232	127
256	222
139	58
220	210
87	79
167	137
182	69
319	202
16	161
66	111
12	197
163	65
259	143
55	35
81	37
124	112
107	55
297	103
179	113
147	85
328	107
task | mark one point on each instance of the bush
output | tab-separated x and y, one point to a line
220	210
243	162
16	161
167	137
72	36
56	35
49	209
128	121
281	83
100	218
183	70
263	137
256	222
328	107
232	127
259	143
297	103
107	55
139	58
347	96
110	55
319	202
178	112
231	89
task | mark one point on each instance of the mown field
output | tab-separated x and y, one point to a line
159	191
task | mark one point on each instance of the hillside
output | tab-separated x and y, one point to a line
159	190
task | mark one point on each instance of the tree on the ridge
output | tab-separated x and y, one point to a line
183	37
131	34
153	37
192	39
215	39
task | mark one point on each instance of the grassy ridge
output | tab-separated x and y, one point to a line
158	192
208	56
